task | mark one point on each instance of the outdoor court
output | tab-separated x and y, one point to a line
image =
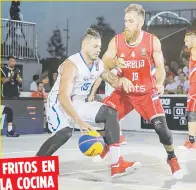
78	172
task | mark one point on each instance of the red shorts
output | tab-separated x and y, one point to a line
191	100
148	105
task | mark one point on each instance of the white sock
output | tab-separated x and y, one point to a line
9	128
114	153
120	132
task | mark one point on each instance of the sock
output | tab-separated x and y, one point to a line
120	132
191	139
115	153
9	128
171	155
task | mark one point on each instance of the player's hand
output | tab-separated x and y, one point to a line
91	98
126	84
120	63
84	125
160	89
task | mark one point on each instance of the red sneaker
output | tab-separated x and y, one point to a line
122	140
188	144
124	167
175	168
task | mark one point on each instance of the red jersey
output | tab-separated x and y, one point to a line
140	67
192	70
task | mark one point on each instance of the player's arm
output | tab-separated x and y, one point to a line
68	73
159	62
193	54
3	78
110	62
96	85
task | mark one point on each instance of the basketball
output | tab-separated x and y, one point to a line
91	143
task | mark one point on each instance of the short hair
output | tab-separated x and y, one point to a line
190	34
137	8
11	57
39	82
35	77
92	33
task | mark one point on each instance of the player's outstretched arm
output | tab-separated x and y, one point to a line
68	73
159	64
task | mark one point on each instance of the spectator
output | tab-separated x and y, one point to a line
40	93
183	82
171	87
11	79
180	90
180	70
185	64
9	112
45	80
54	78
174	66
33	85
168	72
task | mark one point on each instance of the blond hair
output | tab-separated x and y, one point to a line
137	8
190	34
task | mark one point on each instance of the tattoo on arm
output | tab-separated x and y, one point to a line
110	78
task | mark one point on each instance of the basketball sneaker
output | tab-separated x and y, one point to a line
123	167
175	168
188	144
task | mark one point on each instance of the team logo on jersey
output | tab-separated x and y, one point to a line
122	55
132	54
143	52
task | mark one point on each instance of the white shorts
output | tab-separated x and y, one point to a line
57	118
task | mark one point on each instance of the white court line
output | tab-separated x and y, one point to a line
76	149
117	184
104	169
33	151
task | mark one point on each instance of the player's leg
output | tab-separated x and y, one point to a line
191	113
152	110
98	113
57	124
122	104
107	101
9	112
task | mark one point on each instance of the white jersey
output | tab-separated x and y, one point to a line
85	78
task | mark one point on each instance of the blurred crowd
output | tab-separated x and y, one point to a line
176	81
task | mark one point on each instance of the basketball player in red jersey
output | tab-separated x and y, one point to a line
140	58
190	42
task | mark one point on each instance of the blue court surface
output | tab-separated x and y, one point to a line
78	172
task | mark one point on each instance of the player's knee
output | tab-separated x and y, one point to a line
161	128
191	116
8	111
64	134
105	113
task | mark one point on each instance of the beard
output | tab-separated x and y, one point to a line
131	36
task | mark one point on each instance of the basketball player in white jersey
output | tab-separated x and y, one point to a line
67	105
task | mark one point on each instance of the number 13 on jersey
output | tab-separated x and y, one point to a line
135	76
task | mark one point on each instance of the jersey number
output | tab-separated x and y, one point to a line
85	86
135	76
